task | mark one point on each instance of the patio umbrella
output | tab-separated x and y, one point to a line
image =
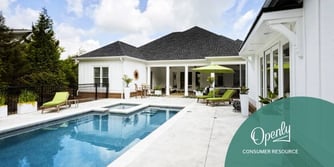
214	68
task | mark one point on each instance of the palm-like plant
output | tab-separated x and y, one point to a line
127	80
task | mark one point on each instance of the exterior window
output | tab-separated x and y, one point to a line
105	76
101	76
97	78
190	78
275	70
286	70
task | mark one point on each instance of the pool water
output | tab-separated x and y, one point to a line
94	139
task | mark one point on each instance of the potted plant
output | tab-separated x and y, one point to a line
127	81
3	106
199	91
244	102
27	102
157	90
271	98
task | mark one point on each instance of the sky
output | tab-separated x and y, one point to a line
84	25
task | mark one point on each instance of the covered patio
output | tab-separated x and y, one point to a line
181	79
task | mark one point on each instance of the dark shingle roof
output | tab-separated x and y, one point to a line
115	49
195	43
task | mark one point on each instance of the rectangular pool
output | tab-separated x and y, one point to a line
93	139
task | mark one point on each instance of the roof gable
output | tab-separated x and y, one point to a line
117	48
195	43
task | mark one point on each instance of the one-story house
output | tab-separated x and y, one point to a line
289	50
166	62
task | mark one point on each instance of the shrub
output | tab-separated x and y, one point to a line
27	96
244	90
2	99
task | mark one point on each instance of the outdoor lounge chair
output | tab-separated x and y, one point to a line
227	96
209	95
58	100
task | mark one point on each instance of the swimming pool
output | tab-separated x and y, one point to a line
93	139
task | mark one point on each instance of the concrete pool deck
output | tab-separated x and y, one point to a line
198	136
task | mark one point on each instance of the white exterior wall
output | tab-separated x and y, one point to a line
319	56
326	49
129	67
117	68
310	71
86	72
252	73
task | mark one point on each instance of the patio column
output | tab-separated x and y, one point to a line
148	79
186	80
167	80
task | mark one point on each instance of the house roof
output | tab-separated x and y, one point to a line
194	43
117	48
271	6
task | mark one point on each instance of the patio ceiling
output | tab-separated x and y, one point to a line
257	40
262	35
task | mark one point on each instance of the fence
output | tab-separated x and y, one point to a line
93	89
46	93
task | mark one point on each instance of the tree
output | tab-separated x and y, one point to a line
43	53
5	37
13	62
44	50
70	69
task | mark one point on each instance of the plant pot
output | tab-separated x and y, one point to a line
158	92
198	93
244	104
27	107
127	93
3	111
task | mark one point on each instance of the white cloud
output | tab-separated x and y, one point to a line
124	17
4	4
21	17
240	5
72	40
75	6
244	20
136	39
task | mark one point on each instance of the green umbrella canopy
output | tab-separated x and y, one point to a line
213	68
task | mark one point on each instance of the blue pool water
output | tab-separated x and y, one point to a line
94	139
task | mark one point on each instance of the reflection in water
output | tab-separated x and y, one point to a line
91	140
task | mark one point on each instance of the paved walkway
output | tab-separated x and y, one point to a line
197	136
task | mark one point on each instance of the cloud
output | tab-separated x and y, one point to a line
125	17
4	4
75	40
244	21
21	17
75	6
136	39
240	5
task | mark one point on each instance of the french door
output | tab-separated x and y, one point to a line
275	70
